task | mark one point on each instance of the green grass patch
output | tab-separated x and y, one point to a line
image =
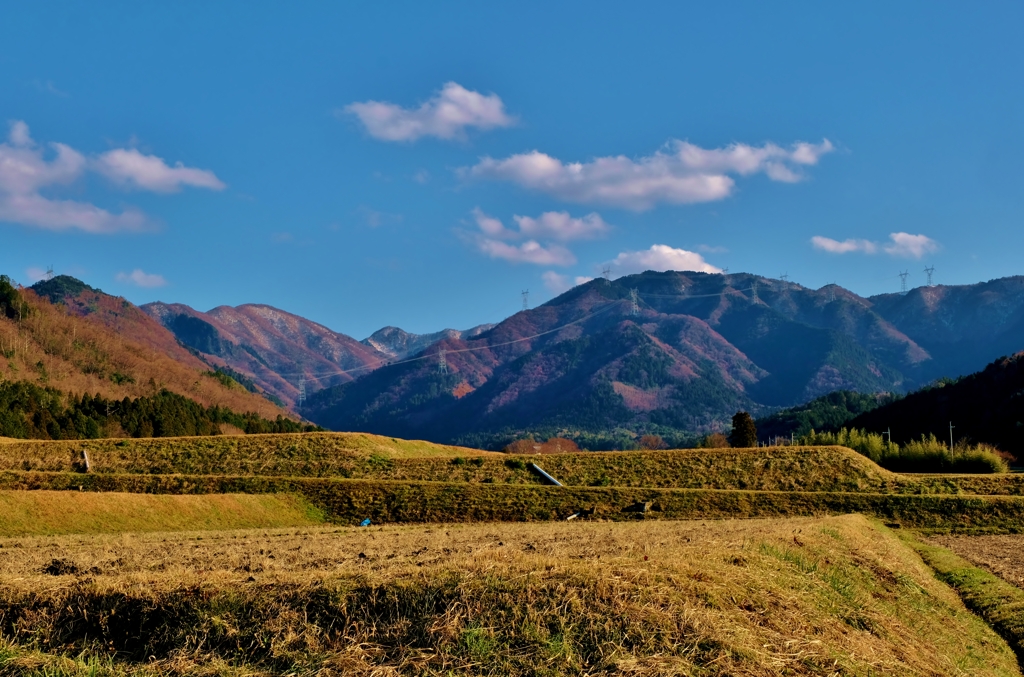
25	513
992	598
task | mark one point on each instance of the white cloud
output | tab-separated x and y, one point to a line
557	283
827	244
139	278
660	258
561	226
548	226
538	234
25	171
446	116
530	251
900	244
131	168
491	226
681	173
911	246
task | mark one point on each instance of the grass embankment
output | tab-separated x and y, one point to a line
360	456
347	501
307	454
797	597
997	601
52	512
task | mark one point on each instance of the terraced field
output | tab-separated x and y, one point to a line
241	556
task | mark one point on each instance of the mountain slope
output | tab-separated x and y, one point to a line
963	327
987	406
699	348
91	342
278	349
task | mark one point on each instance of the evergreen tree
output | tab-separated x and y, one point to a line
744	432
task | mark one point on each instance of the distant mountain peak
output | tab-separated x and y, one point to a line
399	344
58	288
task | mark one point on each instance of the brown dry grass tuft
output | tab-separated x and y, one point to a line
831	596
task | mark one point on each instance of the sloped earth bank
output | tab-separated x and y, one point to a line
805	596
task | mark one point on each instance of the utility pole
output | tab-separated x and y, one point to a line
929	271
526	299
302	390
903	281
442	362
951	436
635	309
888	432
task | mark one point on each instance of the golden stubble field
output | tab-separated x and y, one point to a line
822	596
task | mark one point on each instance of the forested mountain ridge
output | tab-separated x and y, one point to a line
275	348
699	347
88	342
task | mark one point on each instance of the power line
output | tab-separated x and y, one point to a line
602	309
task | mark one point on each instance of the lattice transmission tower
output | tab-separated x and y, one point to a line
634	299
903	281
929	271
526	299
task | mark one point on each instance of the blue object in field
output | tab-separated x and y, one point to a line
365	522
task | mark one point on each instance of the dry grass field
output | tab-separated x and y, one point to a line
70	512
1002	554
808	596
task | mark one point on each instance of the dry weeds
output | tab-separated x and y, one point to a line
830	596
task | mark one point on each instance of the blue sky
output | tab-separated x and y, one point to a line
419	164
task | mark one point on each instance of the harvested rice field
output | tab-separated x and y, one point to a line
804	596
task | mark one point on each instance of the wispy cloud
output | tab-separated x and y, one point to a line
542	236
681	173
904	245
140	278
130	168
27	169
557	283
35	274
49	88
530	251
712	249
659	257
447	115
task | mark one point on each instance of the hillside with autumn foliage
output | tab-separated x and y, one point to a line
71	338
693	350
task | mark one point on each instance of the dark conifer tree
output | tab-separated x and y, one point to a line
744	432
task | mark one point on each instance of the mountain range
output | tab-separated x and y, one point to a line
691	350
675	353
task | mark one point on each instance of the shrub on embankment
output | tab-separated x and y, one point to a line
351	501
926	455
